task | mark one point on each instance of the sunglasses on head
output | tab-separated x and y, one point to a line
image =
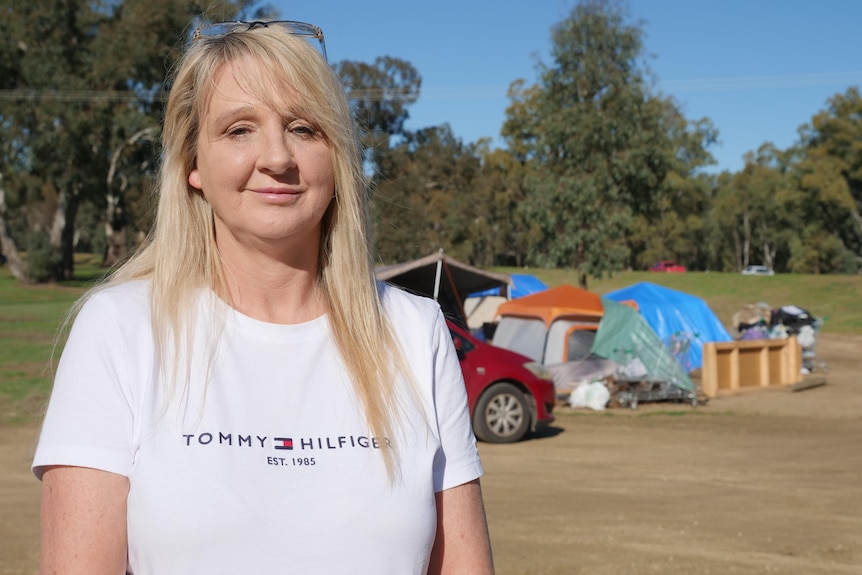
301	29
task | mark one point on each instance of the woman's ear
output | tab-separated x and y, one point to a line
195	179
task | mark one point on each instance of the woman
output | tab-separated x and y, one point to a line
242	396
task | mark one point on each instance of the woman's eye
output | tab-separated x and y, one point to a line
237	131
302	129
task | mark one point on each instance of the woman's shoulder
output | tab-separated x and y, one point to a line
130	299
130	292
111	314
401	304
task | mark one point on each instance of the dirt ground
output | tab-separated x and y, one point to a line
765	482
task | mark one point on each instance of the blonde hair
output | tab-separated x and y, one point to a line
181	257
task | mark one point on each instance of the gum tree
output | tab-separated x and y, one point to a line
600	143
78	80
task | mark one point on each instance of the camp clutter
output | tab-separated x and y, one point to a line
759	321
641	343
584	339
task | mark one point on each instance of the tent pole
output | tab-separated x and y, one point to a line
437	279
455	293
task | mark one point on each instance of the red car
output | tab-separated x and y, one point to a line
667	266
508	394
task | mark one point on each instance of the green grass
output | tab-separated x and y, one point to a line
31	315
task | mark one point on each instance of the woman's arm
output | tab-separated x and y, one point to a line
83	522
462	544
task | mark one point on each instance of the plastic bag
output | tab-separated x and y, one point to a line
634	369
593	396
806	336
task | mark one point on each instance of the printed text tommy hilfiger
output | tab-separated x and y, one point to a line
266	442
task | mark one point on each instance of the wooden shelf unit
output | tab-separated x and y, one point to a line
735	366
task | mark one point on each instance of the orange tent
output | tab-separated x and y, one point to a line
562	301
551	326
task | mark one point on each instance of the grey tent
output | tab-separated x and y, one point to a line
444	279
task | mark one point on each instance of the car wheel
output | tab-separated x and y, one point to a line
502	415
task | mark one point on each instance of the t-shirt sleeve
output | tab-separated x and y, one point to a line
89	421
458	460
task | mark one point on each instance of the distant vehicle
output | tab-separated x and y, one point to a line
757	271
508	394
667	266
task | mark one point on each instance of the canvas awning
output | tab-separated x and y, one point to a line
442	278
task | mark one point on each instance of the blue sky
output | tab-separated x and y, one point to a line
759	69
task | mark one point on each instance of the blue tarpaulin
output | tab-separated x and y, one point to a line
682	321
521	285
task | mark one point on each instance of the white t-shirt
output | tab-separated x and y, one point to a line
270	467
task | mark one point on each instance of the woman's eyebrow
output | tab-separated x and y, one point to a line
232	114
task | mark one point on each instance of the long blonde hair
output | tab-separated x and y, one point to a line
181	257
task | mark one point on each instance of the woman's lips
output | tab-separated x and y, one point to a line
277	191
277	195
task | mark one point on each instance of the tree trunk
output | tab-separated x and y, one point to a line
768	256
737	249
67	247
116	248
17	266
62	236
817	261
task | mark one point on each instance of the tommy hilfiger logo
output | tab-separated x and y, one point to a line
281	443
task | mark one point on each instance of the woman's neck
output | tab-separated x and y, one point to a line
271	287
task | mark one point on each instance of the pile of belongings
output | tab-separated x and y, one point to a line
754	321
759	321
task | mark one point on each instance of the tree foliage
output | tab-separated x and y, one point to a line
82	78
380	94
608	156
830	171
417	195
599	171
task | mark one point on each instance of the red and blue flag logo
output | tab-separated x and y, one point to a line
283	442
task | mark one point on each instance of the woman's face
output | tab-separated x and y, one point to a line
268	175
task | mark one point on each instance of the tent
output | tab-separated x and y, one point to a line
682	321
625	337
481	307
480	313
577	335
520	285
551	326
444	279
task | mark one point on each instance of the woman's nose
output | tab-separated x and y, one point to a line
277	155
